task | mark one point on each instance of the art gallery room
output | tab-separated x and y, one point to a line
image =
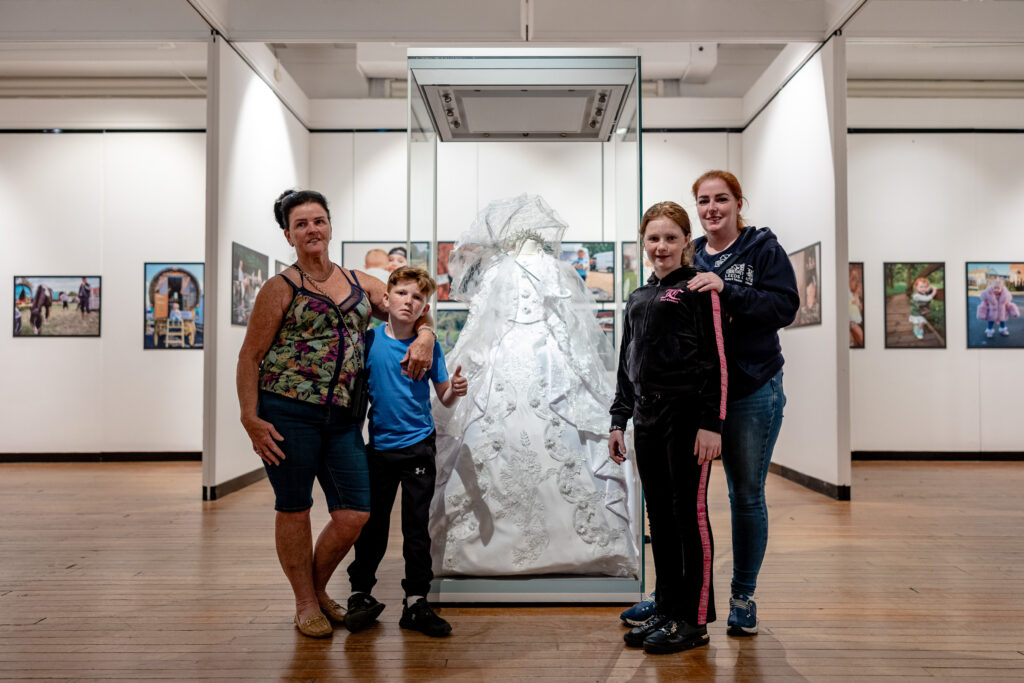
143	144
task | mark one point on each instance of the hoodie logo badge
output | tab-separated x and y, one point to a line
741	273
672	295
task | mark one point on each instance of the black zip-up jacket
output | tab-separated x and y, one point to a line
760	297
672	345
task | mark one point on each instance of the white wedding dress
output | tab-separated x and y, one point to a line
525	485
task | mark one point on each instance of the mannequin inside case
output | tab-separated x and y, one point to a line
524	482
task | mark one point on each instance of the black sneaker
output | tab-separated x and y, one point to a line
420	617
675	635
363	610
635	636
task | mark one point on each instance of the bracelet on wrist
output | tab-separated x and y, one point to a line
616	429
428	328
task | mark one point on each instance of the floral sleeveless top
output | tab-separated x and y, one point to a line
318	351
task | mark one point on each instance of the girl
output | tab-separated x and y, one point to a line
997	307
920	305
672	382
754	277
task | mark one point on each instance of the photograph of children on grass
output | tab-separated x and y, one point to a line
174	306
995	296
56	306
449	324
915	305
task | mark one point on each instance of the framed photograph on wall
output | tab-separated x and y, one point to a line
915	305
174	304
57	305
606	321
856	305
444	280
449	326
280	267
807	268
249	270
995	300
630	266
380	258
595	263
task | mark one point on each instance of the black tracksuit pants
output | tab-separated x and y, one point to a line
413	469
676	495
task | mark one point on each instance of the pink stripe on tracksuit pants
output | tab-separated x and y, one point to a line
675	492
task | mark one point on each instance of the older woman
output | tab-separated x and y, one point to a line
299	384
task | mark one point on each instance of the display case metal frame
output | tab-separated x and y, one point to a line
547	75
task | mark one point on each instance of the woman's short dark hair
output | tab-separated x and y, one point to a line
399	250
289	199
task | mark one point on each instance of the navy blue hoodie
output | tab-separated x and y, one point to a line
759	298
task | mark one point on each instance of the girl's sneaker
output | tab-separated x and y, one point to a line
742	616
639	613
1003	331
990	332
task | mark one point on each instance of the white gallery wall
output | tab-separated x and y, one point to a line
100	204
258	149
789	179
930	197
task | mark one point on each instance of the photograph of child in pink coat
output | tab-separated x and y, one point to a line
992	288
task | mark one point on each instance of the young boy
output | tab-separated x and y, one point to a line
401	451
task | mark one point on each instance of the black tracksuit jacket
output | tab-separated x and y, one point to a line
672	348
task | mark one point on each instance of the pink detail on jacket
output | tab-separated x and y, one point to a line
705	544
997	308
716	311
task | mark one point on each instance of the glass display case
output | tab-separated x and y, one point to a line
563	124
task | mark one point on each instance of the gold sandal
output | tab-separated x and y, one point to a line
315	626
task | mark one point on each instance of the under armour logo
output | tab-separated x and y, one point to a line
672	295
421	470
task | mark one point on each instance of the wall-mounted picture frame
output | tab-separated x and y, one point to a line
606	321
630	269
57	305
915	305
379	259
174	303
280	267
807	268
249	270
595	263
449	323
442	277
995	301
856	305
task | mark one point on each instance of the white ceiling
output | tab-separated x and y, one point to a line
123	47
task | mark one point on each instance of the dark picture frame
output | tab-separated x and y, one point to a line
449	323
914	323
857	326
50	306
357	255
1000	323
595	263
807	269
174	304
249	270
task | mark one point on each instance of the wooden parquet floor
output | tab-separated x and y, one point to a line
118	571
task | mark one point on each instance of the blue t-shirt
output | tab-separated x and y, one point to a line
399	407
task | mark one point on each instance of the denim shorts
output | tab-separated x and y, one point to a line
320	442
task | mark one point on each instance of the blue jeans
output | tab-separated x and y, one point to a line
321	443
752	425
